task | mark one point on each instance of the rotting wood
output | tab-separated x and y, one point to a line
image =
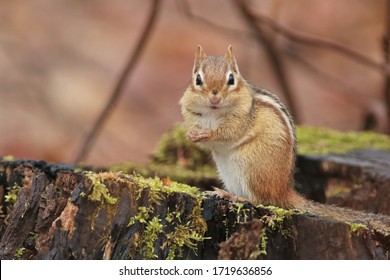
62	214
359	179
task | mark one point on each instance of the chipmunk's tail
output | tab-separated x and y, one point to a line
377	222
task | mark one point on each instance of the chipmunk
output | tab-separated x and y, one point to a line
251	136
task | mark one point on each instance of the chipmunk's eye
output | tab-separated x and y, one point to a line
230	81
198	80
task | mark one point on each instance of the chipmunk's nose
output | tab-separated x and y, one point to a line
214	101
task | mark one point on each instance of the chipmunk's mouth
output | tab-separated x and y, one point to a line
214	107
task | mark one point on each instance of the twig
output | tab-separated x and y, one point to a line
118	90
353	94
272	54
297	37
185	8
322	43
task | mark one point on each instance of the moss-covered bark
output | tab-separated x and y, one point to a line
62	214
53	211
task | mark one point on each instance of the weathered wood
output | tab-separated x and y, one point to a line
62	214
359	179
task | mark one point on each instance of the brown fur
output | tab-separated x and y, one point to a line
255	129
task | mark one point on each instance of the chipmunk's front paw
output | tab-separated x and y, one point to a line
198	135
222	194
226	195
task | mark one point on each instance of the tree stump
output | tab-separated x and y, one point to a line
358	180
52	212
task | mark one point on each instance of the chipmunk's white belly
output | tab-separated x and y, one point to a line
231	169
231	166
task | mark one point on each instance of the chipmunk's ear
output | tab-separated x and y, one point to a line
231	59
199	57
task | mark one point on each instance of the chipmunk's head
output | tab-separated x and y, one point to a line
215	84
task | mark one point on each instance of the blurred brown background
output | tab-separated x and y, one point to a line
60	60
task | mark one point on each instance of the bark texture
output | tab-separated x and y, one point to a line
49	211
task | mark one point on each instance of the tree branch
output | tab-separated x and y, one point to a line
186	9
353	94
322	43
297	37
120	84
272	54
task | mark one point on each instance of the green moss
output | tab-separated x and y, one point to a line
157	184
239	208
188	235
142	216
78	169
337	190
184	235
243	213
152	230
19	253
279	214
172	216
263	243
99	192
104	189
182	161
175	172
278	217
313	140
12	195
179	231
8	158
174	149
357	228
